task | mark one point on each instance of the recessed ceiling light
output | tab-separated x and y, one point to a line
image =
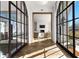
41	9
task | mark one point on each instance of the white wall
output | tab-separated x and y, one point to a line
54	22
54	27
43	19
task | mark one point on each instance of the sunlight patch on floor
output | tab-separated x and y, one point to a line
44	49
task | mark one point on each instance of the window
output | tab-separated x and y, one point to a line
4	29
67	33
13	32
77	28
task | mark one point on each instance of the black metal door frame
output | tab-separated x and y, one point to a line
24	15
73	28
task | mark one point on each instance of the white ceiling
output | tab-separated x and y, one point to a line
38	5
35	5
41	3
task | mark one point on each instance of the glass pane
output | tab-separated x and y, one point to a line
68	2
62	32
65	33
4	9
70	43
19	16
19	36
22	7
76	9
22	28
64	16
22	18
59	40
65	41
13	13
61	7
19	41
26	30
77	47
65	29
13	24
60	18
13	37
77	28
64	4
22	33
4	37
19	4
70	30
62	39
69	13
23	39
18	27
77	37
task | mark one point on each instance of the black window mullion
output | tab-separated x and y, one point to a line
67	23
16	25
62	24
9	29
24	25
73	8
60	28
21	21
57	27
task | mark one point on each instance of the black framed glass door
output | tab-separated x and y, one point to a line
13	25
67	26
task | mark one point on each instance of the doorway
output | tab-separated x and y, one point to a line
41	26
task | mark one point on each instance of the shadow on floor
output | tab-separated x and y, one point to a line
64	52
43	49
